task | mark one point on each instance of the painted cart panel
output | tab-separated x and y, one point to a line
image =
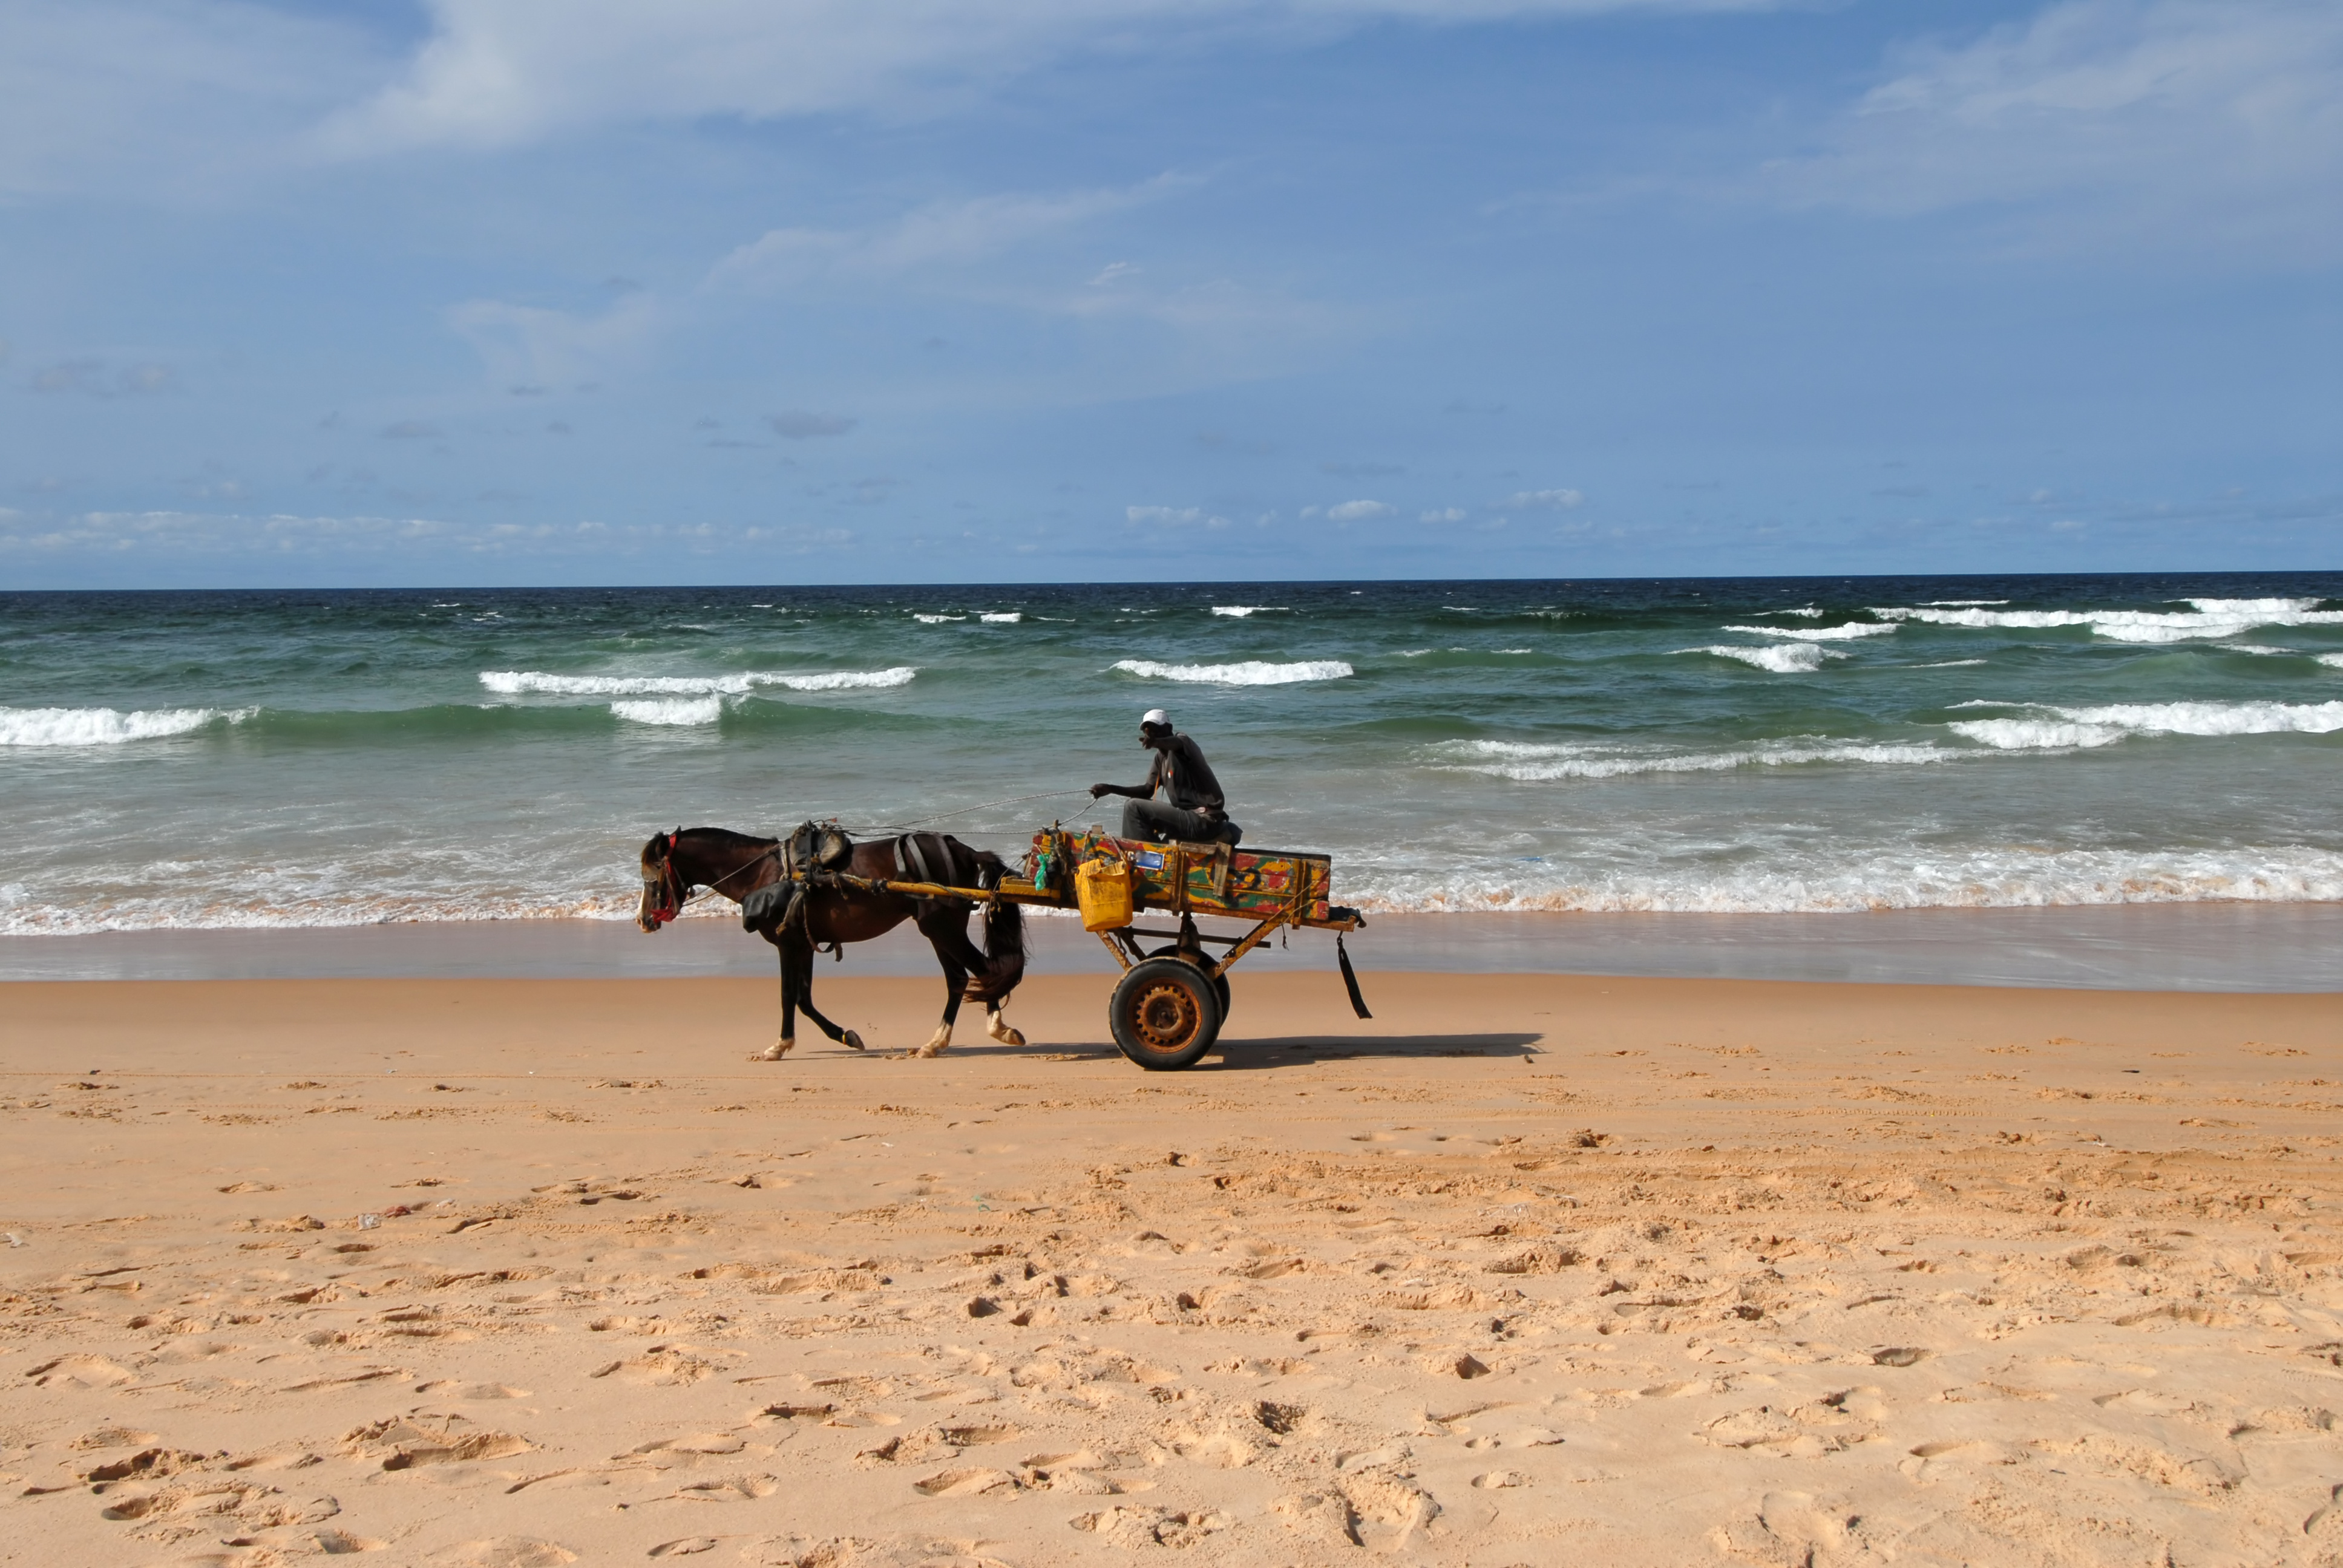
1218	880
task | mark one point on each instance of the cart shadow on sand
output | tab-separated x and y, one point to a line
1272	1051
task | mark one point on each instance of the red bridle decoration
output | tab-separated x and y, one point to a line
669	892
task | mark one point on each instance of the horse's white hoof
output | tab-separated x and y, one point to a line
851	1041
774	1051
1000	1029
936	1046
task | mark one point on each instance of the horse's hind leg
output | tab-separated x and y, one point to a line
800	956
1000	1028
955	982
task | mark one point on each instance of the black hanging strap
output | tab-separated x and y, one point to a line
1350	977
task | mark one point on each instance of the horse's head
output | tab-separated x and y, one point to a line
663	882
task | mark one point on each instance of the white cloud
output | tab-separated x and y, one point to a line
164	96
1353	512
502	72
2208	122
1162	514
1445	515
940	233
1546	501
215	533
531	347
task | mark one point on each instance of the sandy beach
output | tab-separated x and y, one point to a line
1530	1269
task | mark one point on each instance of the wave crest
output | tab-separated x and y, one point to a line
1249	672
2086	727
1782	659
1531	763
2208	618
513	682
1852	630
671	710
107	726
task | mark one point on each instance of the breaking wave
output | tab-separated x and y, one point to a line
2210	617
2065	728
1853	628
1532	763
1782	659
1239	612
107	726
1954	879
513	682
671	710
1250	672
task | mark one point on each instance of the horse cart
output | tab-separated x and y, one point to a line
819	888
1168	1008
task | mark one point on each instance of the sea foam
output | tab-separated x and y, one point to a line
2065	727
107	726
1853	628
1979	876
671	710
513	682
1530	762
1250	672
2210	617
1782	659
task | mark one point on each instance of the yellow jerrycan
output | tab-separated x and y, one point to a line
1102	889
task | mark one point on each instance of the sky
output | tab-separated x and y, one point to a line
482	292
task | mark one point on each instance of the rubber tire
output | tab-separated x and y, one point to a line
1196	1004
1220	982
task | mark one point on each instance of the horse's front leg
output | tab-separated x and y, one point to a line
799	954
788	1039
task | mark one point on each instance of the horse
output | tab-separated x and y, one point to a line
832	912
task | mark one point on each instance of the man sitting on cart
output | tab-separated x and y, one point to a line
1192	811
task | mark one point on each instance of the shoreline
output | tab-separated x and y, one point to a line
2221	947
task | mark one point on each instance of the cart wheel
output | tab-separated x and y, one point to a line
1164	1013
1220	982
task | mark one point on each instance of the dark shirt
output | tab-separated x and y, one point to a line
1186	779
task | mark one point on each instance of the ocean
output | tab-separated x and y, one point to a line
177	761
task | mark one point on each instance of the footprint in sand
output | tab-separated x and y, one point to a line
400	1442
112	1437
80	1372
503	1551
658	1366
449	1389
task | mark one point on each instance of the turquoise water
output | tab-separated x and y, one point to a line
178	760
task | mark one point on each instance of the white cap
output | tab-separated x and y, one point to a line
1156	715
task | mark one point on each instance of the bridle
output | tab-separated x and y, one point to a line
665	892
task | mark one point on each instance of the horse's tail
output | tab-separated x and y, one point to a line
1004	936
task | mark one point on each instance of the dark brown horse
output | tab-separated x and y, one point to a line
736	865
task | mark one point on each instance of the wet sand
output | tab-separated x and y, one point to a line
2216	947
1532	1269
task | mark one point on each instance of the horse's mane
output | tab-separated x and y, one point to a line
728	836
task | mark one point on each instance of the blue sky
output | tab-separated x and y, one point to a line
520	291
